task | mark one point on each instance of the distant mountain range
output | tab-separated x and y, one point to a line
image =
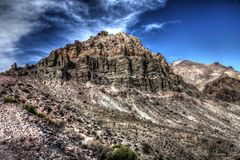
200	74
214	79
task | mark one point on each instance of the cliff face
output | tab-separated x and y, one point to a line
141	72
107	59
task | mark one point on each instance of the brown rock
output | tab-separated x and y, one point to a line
201	74
14	66
224	88
109	58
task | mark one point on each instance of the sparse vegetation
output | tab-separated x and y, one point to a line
51	122
30	108
9	100
41	115
120	152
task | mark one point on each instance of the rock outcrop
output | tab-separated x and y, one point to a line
107	59
201	74
14	66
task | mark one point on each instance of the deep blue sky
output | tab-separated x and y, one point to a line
209	30
200	30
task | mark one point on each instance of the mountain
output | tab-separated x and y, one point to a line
224	88
107	59
85	99
201	74
216	80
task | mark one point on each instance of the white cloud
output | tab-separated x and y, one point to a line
158	26
134	5
116	16
125	13
153	26
5	62
19	18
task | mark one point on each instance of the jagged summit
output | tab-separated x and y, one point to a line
107	45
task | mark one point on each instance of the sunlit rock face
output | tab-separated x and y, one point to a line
107	59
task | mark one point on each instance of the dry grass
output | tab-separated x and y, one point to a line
9	100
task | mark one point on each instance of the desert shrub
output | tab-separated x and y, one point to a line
30	108
41	115
9	100
51	121
120	152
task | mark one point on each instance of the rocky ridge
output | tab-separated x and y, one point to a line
216	80
200	74
224	88
107	59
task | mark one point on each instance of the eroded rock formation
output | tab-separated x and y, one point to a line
107	59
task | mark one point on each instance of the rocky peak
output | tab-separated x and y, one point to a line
200	74
218	66
104	44
14	66
103	33
111	58
109	45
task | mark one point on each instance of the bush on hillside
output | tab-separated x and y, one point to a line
30	108
9	100
120	152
